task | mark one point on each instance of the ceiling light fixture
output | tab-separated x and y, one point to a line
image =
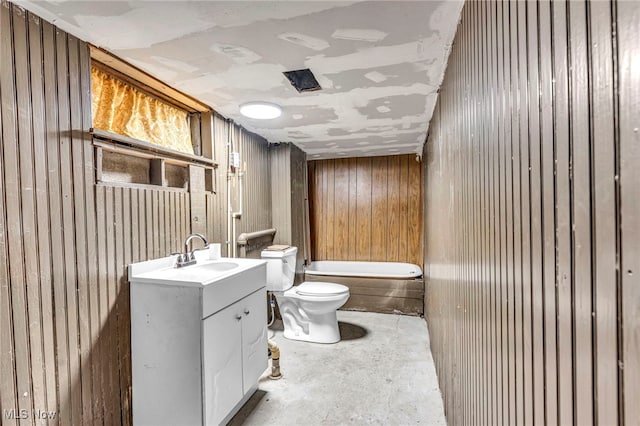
260	110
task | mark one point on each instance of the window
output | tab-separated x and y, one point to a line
145	132
120	108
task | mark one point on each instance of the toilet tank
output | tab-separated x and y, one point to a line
281	268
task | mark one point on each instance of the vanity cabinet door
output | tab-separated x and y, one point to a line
222	363
254	338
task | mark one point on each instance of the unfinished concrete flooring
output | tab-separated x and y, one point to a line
381	372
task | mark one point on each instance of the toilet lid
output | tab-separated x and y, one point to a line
321	289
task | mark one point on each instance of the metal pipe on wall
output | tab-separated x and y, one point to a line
237	172
229	208
245	237
238	214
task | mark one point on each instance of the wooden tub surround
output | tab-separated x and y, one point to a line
388	296
366	209
369	209
371	289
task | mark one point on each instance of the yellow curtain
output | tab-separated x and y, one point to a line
120	108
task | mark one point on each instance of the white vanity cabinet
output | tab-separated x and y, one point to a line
197	351
235	343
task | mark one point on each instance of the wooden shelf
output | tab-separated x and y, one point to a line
140	186
125	161
125	145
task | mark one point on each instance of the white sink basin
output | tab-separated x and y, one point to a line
194	273
216	266
205	272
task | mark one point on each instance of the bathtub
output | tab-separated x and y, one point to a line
387	287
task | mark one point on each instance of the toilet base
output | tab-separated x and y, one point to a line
309	318
322	328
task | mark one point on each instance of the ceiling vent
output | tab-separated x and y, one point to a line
303	80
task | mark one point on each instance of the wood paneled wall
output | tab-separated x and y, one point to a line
532	215
45	274
133	224
288	198
254	153
367	208
65	241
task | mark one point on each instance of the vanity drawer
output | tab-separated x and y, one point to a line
227	291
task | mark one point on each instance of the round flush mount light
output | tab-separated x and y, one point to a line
260	110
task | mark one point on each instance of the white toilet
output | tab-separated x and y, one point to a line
309	309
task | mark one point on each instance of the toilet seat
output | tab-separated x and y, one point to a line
321	289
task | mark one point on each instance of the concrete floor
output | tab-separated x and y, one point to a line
381	372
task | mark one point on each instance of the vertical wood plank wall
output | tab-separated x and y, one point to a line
65	241
288	198
281	192
254	154
532	215
298	205
367	208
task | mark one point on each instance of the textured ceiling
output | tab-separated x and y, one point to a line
379	63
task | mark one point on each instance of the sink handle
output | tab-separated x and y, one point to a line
247	311
238	317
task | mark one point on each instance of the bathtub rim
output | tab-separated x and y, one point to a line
416	275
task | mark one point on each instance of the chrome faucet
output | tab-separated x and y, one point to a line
187	258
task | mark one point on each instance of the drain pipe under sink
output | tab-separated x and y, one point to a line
273	347
275	361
